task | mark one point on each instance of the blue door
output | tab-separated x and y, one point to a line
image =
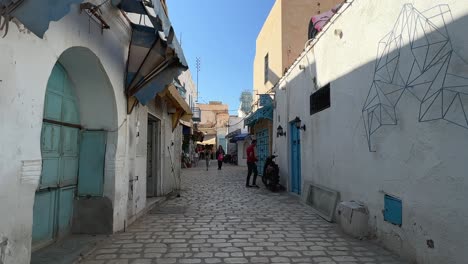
53	204
263	149
295	159
92	157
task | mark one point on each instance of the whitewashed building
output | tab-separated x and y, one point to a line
375	109
85	138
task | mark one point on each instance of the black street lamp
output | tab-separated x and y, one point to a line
297	121
279	131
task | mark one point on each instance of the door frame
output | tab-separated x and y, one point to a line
155	155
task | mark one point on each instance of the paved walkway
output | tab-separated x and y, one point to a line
218	220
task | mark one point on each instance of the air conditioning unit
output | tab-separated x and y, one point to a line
353	218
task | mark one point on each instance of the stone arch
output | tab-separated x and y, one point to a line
95	101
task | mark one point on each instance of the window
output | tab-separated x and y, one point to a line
320	100
267	69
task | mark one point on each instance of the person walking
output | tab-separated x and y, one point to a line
220	156
251	164
207	157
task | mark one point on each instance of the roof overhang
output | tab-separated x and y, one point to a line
265	112
155	56
182	109
35	15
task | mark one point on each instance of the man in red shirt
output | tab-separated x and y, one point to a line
251	165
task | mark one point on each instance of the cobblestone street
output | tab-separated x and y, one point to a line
218	220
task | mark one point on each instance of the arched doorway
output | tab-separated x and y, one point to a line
53	204
78	144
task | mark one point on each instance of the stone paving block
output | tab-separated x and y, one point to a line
106	256
141	261
235	260
224	222
129	256
189	261
212	260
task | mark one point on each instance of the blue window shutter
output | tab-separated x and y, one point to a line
91	166
393	210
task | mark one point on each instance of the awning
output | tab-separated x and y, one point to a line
239	138
182	111
207	142
185	123
155	57
234	133
265	112
35	15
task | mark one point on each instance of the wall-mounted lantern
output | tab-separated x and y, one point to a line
280	132
297	121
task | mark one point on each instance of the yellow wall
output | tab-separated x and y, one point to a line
268	41
296	16
214	118
282	37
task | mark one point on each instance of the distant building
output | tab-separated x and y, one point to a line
214	123
246	101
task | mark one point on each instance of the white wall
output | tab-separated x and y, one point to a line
186	80
423	163
241	152
25	66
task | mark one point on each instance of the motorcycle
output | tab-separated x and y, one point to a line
271	175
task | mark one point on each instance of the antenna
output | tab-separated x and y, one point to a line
198	66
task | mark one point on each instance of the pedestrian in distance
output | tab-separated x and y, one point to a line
220	156
196	156
251	164
207	157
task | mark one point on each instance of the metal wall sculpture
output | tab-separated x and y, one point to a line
426	68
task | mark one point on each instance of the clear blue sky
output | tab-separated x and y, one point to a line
222	33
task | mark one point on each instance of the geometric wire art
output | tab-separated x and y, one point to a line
426	68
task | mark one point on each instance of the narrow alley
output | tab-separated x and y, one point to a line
218	220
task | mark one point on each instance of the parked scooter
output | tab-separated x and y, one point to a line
271	175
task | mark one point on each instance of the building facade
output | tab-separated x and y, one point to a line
282	39
214	123
80	152
382	121
279	42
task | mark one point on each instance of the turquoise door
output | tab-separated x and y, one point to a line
295	159
263	149
92	155
53	204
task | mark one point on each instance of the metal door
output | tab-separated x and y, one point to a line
152	162
263	149
92	161
53	204
295	159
